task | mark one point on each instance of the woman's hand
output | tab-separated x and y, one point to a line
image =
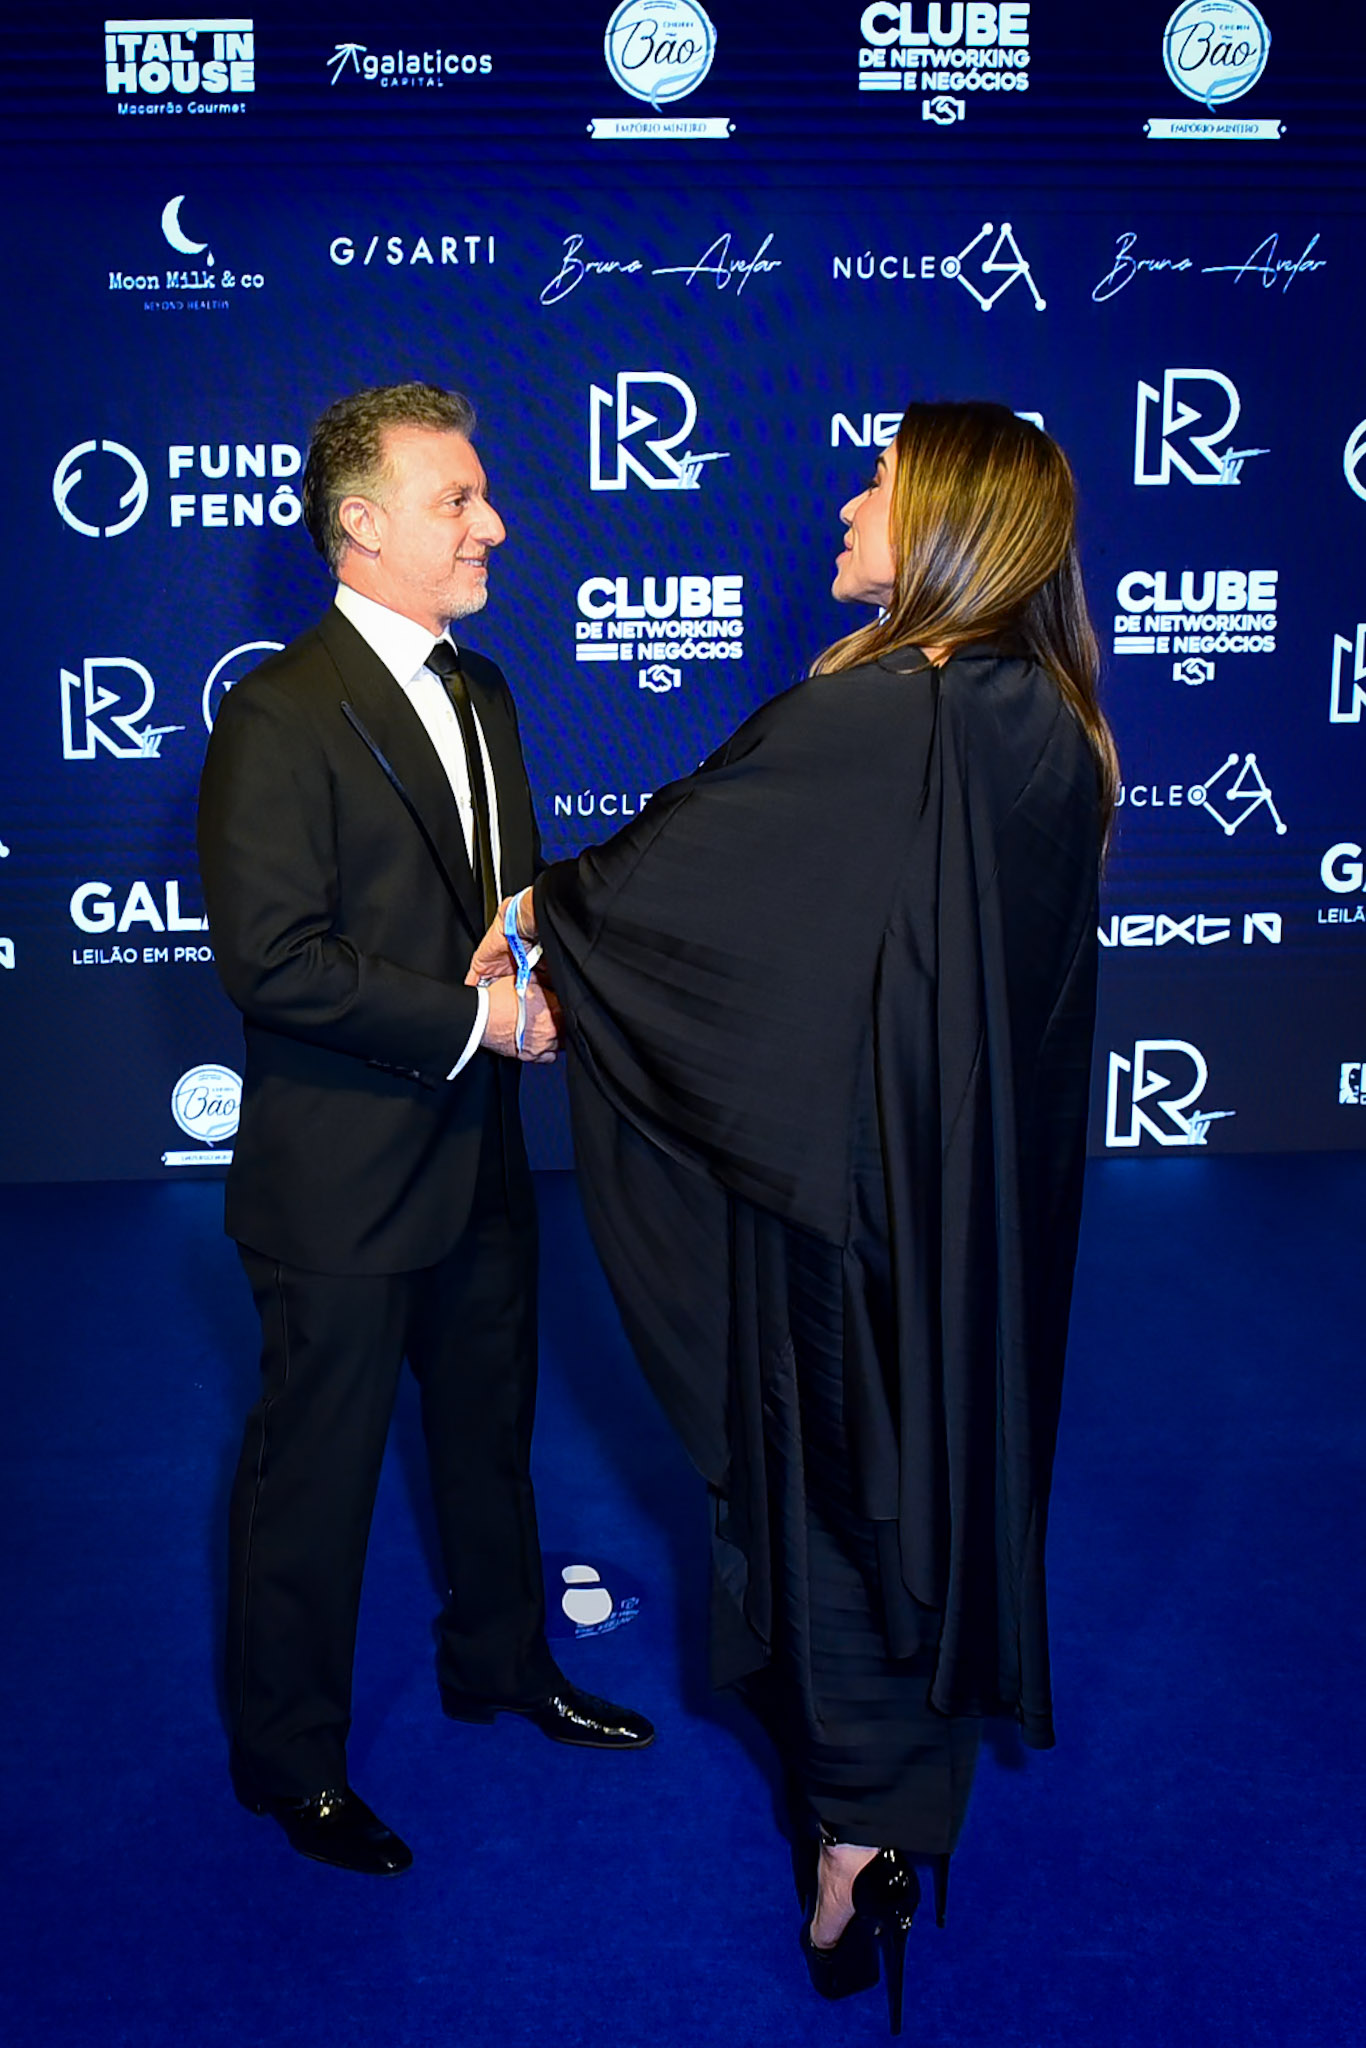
541	1032
526	918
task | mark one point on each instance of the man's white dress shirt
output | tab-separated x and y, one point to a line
403	646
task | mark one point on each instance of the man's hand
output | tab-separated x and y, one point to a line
542	1038
492	958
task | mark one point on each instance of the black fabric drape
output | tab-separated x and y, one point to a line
881	889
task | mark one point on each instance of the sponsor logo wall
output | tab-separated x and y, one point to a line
622	232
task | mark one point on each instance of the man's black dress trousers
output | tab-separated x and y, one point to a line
332	1350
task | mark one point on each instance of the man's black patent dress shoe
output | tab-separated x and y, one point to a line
565	1715
336	1828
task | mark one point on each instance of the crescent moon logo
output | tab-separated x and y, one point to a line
174	233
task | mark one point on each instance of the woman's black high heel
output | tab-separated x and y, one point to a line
885	1895
850	1966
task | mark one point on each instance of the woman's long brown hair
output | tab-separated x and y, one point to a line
983	535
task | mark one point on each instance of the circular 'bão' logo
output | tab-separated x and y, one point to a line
206	1103
659	50
1215	50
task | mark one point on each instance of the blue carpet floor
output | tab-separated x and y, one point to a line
1186	1868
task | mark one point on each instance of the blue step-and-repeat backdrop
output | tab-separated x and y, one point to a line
690	262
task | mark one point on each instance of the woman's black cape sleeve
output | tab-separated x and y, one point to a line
886	868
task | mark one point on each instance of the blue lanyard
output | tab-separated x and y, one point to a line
524	958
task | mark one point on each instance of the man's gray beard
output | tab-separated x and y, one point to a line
473	604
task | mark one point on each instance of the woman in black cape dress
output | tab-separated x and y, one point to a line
828	1007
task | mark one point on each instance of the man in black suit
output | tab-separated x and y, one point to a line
363	808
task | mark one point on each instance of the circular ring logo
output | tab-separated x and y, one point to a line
1353	457
659	50
69	473
221	676
206	1103
1215	50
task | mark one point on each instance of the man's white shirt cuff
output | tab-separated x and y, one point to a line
481	1018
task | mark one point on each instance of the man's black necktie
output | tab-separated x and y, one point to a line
445	662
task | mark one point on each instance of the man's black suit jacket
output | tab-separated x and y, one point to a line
343	913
